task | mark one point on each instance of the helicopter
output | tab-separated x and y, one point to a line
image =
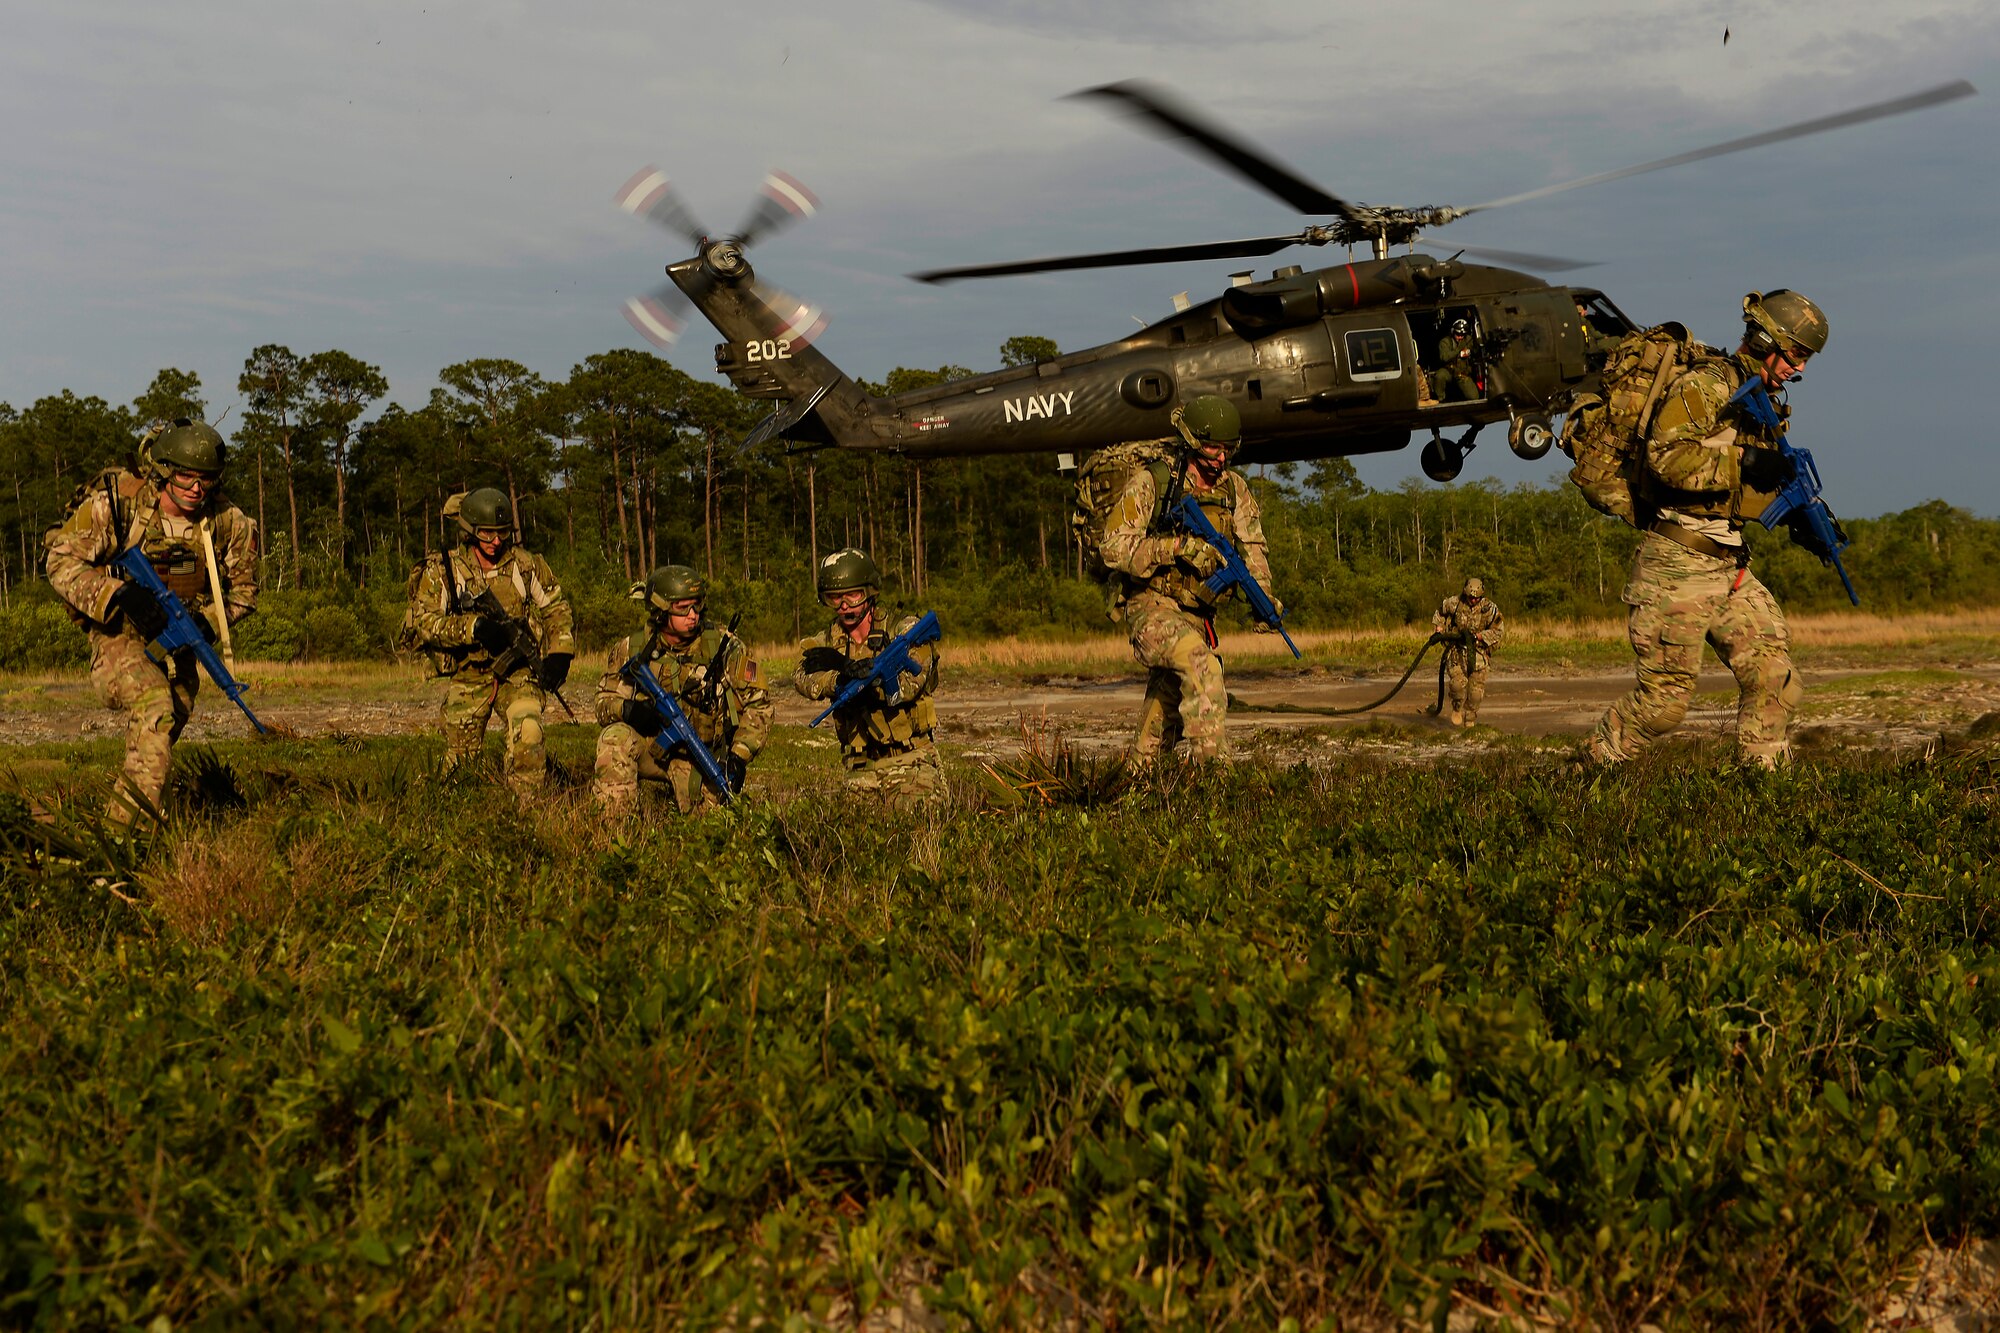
1327	362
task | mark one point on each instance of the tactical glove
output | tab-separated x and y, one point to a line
141	611
492	635
1198	556
555	670
641	717
735	767
816	660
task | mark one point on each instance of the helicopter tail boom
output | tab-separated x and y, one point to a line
769	353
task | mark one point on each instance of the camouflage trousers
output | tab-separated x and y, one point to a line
1464	684
157	703
625	759
471	699
1184	690
901	781
1679	598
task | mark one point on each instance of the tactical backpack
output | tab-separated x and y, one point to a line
1102	479
408	640
1605	432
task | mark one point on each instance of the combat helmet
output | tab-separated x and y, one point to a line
485	509
1783	321
1207	417
669	584
183	445
844	571
1474	587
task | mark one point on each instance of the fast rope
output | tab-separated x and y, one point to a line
1411	670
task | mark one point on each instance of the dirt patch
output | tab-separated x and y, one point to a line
1869	708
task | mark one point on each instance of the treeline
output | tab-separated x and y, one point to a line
630	463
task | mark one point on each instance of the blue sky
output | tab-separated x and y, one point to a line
421	183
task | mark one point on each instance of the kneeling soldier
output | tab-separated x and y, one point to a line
886	745
204	549
708	670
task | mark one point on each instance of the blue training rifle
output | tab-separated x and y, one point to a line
183	629
890	663
675	729
1799	505
1234	573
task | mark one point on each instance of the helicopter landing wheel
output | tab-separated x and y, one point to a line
1441	460
1530	437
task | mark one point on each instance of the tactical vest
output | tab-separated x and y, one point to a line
137	520
871	730
683	673
1181	584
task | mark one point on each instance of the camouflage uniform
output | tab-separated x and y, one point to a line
1170	613
734	732
157	700
525	587
1692	580
886	750
1465	663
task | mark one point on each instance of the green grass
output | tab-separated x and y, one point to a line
370	1048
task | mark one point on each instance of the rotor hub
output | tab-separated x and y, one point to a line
725	258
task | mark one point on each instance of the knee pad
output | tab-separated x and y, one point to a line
1659	713
528	734
1792	691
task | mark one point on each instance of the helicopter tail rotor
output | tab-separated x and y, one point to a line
797	322
649	194
660	317
782	201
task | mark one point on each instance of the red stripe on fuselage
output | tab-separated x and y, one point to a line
1355	279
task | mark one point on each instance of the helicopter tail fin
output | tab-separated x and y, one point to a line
768	352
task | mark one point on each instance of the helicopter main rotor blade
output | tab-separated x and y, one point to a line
1944	92
1156	107
1522	259
1158	254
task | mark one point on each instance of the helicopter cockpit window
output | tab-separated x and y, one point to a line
1602	317
1373	354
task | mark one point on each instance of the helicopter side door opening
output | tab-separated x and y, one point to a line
1450	355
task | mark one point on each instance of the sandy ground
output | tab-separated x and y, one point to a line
1869	708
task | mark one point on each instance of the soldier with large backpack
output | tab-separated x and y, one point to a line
205	551
1669	449
1157	573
